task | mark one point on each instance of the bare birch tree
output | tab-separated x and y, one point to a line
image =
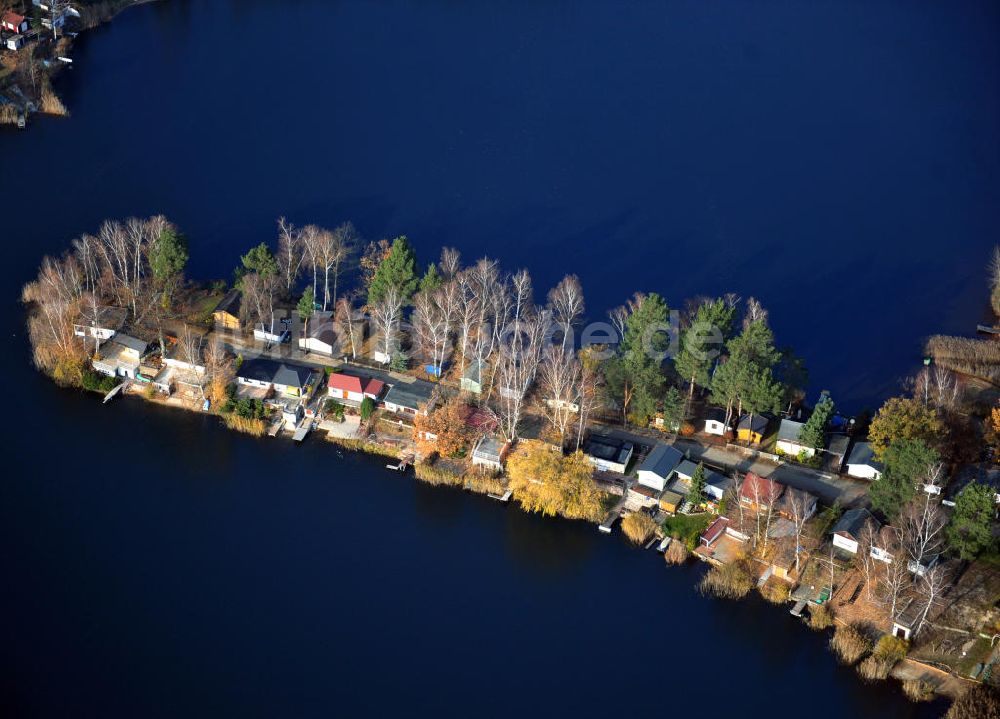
931	585
387	315
450	264
257	306
346	326
798	502
291	253
517	364
566	301
921	526
560	375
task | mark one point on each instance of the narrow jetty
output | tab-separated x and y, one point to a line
302	431
115	391
404	462
612	517
275	427
796	611
505	497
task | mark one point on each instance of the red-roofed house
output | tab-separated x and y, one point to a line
13	22
354	389
715	530
760	491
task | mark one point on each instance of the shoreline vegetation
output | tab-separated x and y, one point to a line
33	56
455	370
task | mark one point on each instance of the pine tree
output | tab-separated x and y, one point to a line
970	529
813	432
432	279
697	493
398	269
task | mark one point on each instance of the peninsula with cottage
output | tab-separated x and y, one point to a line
688	431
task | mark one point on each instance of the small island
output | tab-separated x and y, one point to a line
689	428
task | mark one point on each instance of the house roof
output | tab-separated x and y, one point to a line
133	343
790	430
352	383
489	448
863	454
321	327
838	444
716	414
229	304
716	528
474	371
686	468
662	460
759	422
265	370
606	448
757	487
412	395
645	491
669	496
853	521
13	18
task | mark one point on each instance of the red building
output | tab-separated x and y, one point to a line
13	22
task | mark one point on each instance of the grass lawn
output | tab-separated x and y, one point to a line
200	311
686	527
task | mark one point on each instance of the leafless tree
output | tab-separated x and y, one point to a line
345	244
894	580
867	540
219	369
122	248
521	295
560	375
517	364
588	398
764	496
450	264
346	325
387	314
291	253
931	585
619	317
755	312
433	318
189	349
54	296
798	502
566	301
921	525
257	306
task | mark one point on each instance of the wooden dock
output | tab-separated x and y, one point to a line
987	330
612	517
302	431
404	462
796	611
114	391
275	427
505	497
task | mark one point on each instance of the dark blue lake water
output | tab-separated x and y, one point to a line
838	160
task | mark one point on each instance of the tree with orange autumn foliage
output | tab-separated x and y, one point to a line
449	424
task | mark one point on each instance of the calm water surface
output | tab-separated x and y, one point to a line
839	160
